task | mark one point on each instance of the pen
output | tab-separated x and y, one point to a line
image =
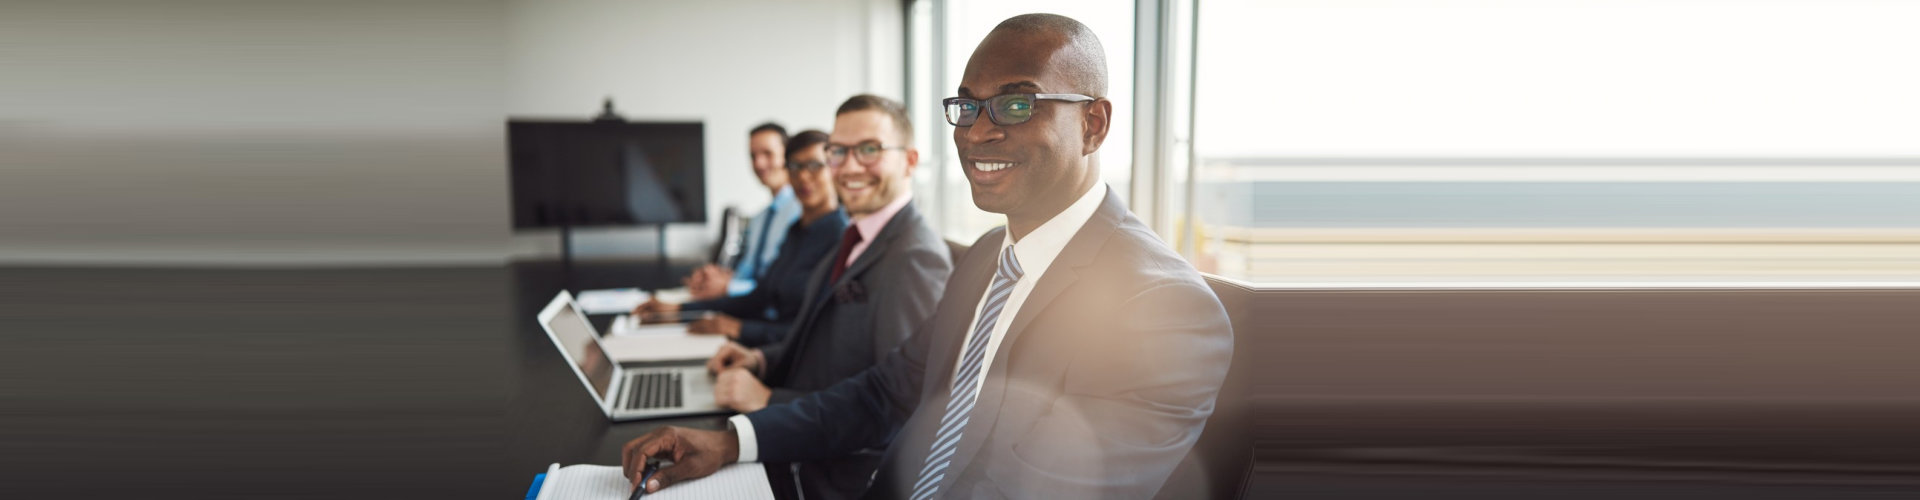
640	489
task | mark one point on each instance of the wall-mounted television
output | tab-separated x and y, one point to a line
606	173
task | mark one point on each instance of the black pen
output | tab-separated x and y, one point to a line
646	473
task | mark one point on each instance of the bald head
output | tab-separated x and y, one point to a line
1077	54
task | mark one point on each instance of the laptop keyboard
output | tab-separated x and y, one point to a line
653	390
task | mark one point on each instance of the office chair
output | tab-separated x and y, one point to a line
1221	463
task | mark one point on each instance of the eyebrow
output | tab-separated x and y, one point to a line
1011	87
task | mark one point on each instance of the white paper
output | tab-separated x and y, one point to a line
672	295
630	325
623	300
661	347
613	301
605	482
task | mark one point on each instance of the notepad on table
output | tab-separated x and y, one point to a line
605	482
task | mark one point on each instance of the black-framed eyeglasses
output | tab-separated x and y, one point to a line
867	152
1003	109
802	167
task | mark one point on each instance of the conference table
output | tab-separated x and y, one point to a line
554	417
297	383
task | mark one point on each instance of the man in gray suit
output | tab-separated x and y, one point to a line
882	281
1073	355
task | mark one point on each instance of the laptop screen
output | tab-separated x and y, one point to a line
577	337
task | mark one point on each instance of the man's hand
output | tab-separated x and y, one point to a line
695	454
719	323
733	355
652	310
708	282
737	389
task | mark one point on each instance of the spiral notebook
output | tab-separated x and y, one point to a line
605	482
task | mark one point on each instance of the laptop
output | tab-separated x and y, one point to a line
627	391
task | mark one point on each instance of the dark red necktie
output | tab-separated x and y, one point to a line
847	241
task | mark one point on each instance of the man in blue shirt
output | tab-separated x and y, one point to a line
766	145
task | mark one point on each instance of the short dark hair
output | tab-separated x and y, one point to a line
805	139
893	109
769	127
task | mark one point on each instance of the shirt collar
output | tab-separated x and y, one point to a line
870	225
1037	250
786	193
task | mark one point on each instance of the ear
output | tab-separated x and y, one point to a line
1094	125
913	159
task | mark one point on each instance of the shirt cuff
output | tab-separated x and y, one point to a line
749	446
739	287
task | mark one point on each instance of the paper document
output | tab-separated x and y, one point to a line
674	295
614	301
628	324
623	300
605	482
661	347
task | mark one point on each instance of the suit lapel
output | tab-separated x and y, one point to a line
1079	252
945	353
965	286
899	224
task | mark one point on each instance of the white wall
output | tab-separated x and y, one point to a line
731	64
370	132
251	133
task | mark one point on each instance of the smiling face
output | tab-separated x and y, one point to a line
769	163
1036	168
865	188
813	186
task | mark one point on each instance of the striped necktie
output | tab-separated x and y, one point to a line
966	389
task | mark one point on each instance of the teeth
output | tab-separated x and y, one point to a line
856	184
991	167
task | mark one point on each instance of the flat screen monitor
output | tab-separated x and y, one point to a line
606	173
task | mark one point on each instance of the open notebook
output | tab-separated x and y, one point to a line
604	482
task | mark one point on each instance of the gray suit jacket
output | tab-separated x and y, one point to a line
1102	384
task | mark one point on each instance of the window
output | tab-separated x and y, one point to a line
1553	141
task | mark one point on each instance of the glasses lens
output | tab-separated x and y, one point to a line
867	152
1011	109
962	112
836	155
812	165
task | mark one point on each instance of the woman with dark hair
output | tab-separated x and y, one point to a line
764	315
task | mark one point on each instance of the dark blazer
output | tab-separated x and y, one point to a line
785	286
1101	385
846	326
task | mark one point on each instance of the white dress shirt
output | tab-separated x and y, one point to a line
1035	252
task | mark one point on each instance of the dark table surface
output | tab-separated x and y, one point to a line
209	383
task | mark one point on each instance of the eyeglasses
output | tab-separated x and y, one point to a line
802	167
867	152
1003	109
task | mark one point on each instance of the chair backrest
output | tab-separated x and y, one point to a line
1222	461
726	245
955	250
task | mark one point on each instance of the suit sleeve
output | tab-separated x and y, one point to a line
909	298
860	412
1131	404
756	333
752	306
